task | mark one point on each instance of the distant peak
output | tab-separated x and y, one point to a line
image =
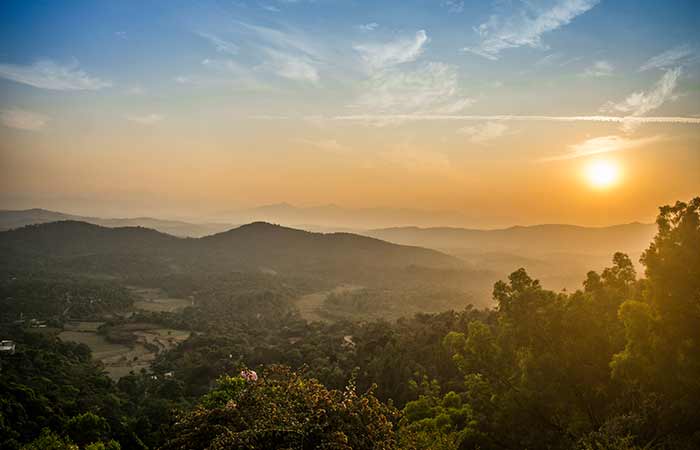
260	226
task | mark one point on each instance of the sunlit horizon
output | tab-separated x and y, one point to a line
478	110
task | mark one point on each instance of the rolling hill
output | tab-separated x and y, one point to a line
253	247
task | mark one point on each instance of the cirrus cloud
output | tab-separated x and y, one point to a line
672	57
479	134
641	102
525	27
382	55
47	74
431	88
599	69
601	145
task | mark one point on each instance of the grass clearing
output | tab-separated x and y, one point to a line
156	300
309	305
120	359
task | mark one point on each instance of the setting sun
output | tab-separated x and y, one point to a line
602	174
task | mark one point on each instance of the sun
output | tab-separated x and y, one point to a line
602	174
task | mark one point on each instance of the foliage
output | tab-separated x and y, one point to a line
284	410
51	296
613	365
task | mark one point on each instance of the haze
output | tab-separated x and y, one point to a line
185	110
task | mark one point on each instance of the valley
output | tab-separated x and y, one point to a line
131	346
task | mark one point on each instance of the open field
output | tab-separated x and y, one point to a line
101	348
120	359
155	300
309	305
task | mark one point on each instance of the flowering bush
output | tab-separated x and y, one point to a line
282	409
249	375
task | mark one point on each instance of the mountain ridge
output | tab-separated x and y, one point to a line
11	219
536	239
247	248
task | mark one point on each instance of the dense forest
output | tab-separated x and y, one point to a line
612	365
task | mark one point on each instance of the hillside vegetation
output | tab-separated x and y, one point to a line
612	365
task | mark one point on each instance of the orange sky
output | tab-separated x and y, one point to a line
492	110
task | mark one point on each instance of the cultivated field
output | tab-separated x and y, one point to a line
119	359
155	300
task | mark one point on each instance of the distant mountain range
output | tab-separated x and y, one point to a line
631	237
530	240
558	255
327	217
10	219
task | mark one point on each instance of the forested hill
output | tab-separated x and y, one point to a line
264	242
257	246
537	239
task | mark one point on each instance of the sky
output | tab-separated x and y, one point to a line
512	112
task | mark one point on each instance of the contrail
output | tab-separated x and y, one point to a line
515	117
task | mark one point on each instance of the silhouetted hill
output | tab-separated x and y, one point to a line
71	238
10	219
270	244
259	246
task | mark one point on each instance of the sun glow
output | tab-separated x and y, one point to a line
602	174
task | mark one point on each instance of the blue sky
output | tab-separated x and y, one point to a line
418	89
302	46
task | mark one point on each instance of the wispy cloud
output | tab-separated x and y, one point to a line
525	27
271	8
231	73
556	59
23	120
453	6
293	67
432	88
394	87
641	102
148	119
599	69
382	55
485	132
182	79
288	39
601	145
371	26
286	53
50	75
670	58
221	45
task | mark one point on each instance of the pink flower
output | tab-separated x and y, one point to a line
249	375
